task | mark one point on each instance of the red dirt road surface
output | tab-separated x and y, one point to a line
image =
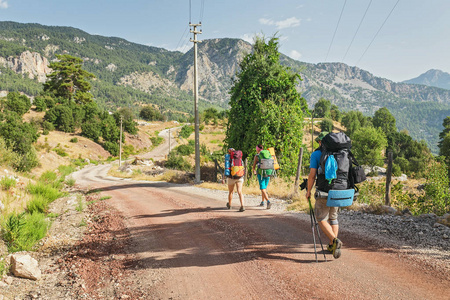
185	244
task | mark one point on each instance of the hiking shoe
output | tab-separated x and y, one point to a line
241	209
269	205
330	248
336	248
228	205
262	203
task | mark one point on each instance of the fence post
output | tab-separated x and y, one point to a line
299	170
215	169
388	180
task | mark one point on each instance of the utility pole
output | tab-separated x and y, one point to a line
120	142
197	142
312	132
169	141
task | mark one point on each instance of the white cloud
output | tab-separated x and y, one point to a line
289	22
284	38
266	21
247	37
3	4
295	54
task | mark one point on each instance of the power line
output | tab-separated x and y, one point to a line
377	32
202	8
190	12
356	31
184	33
337	25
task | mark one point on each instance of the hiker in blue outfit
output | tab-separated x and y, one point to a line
326	216
263	180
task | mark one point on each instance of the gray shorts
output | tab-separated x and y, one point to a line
323	212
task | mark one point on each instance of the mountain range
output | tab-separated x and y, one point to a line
432	77
129	74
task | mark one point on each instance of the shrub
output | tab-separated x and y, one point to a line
7	183
22	231
112	148
46	125
60	152
27	161
37	204
66	170
74	140
156	140
186	131
70	182
48	192
326	125
177	162
185	150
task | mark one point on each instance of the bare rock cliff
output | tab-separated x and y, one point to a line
30	63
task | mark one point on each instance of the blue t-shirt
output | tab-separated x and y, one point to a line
315	159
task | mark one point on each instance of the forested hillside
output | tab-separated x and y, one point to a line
130	74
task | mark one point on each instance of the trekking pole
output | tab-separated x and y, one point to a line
316	225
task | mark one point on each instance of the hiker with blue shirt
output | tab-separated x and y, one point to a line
262	180
326	216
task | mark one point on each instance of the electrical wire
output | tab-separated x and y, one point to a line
377	32
202	8
184	33
337	25
356	31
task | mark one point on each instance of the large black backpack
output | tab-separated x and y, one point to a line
339	145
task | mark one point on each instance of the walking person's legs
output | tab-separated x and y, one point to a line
230	192
239	185
327	219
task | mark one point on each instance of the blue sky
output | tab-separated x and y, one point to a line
395	40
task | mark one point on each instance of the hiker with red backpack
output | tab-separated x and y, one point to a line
262	174
326	216
234	170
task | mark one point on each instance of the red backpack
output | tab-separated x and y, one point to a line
237	166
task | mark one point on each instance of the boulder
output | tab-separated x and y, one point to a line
23	265
388	210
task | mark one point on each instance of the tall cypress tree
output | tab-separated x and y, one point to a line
266	108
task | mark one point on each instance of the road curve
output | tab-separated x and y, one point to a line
189	246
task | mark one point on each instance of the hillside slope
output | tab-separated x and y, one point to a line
130	75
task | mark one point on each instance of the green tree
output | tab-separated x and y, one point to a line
40	104
265	106
150	113
353	120
336	114
368	144
20	136
92	129
17	103
412	156
128	123
385	120
437	195
210	114
444	148
61	116
326	125
322	108
68	80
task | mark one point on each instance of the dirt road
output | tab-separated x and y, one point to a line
187	245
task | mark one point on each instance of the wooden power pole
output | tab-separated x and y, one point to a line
197	142
120	142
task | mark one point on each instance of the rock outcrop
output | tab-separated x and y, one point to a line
30	63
